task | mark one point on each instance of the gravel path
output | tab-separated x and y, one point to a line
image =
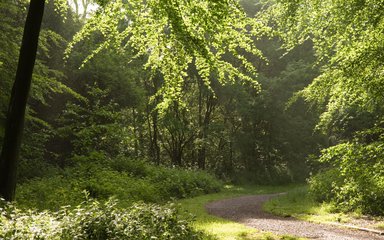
247	210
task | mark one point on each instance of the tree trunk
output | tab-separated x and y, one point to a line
20	91
201	149
135	132
152	116
177	154
203	126
155	142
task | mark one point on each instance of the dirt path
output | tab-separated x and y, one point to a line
247	210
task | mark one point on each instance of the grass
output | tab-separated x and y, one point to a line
297	203
380	226
220	229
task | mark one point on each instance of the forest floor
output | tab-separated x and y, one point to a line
248	211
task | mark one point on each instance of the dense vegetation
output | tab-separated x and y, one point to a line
93	220
155	100
348	42
128	180
109	107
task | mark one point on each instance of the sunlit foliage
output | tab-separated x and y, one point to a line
348	40
174	35
96	221
349	43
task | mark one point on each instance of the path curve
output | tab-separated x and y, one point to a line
248	210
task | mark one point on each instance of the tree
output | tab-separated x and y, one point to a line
175	35
348	42
171	35
207	104
84	6
20	91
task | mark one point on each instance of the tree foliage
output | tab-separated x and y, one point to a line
355	180
173	35
95	221
348	40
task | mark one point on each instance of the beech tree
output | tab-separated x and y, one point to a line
213	39
214	36
348	40
18	101
173	35
44	83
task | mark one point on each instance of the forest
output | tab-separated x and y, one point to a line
132	119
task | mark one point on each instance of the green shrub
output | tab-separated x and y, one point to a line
129	181
171	182
135	167
179	183
322	186
356	181
103	184
95	221
34	168
50	193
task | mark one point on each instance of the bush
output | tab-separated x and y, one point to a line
51	193
95	221
183	183
356	181
103	184
171	182
128	180
322	186
135	167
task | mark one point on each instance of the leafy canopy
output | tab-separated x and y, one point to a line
174	35
349	43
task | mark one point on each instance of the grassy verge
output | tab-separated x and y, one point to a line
380	226
220	229
297	203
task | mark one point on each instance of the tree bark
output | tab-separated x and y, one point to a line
20	91
201	149
152	116
155	143
203	128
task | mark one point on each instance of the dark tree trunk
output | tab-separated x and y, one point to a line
135	132
152	118
20	91
201	149
203	128
155	142
153	132
177	156
201	157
